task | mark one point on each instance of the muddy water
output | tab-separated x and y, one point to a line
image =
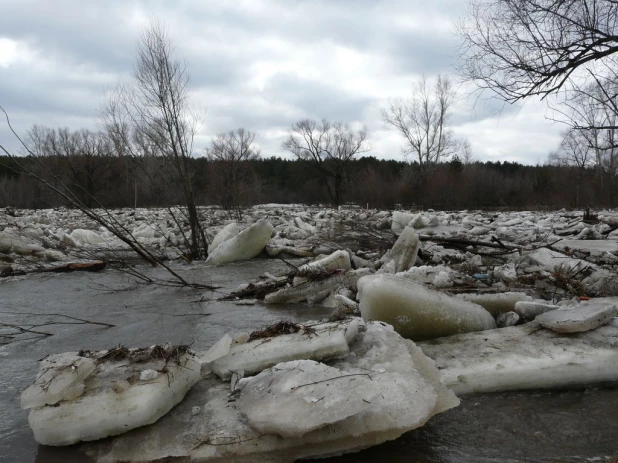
549	426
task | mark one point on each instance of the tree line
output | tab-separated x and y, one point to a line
116	181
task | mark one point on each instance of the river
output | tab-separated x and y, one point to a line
558	426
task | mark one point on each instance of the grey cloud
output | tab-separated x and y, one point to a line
88	45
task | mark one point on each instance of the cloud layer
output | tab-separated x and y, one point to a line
261	65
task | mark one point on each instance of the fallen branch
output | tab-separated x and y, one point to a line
26	330
81	320
331	379
467	242
95	266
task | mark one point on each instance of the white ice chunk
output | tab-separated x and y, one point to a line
304	226
111	405
400	220
552	260
506	272
86	237
318	341
310	290
409	394
294	398
218	350
496	303
148	375
226	233
507	319
582	317
338	260
525	357
144	231
528	311
57	373
404	251
18	244
417	312
418	221
595	247
246	245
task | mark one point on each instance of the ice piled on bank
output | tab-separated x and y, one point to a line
417	312
115	397
245	245
525	357
408	393
581	317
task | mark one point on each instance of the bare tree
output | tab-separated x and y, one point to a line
328	148
467	157
422	119
574	151
87	157
151	117
524	48
230	155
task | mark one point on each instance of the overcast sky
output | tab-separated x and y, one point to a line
257	64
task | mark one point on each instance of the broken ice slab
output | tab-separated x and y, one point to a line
312	290
592	246
274	400
338	260
273	249
400	220
119	395
507	319
525	357
410	393
245	245
315	341
581	317
218	350
529	310
226	233
553	260
57	373
496	303
417	312
404	252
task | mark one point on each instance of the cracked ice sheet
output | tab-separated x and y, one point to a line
525	357
407	378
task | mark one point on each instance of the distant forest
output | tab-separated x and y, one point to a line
116	181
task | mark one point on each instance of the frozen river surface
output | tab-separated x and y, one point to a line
506	427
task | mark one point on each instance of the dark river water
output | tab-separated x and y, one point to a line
560	426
